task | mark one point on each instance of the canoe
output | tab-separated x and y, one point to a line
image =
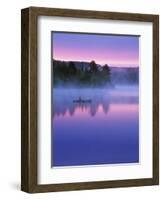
82	101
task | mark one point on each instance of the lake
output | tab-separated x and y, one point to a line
103	131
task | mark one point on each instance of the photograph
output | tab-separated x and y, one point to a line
90	99
95	99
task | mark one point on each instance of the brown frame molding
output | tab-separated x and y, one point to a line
29	99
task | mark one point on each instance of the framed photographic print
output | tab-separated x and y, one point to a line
90	99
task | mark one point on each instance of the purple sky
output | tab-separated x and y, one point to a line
114	50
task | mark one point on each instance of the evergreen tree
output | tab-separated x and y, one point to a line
106	72
72	69
93	66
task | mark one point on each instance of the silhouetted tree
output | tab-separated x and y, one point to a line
106	69
72	69
68	72
106	72
93	66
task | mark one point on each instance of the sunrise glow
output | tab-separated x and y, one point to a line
114	50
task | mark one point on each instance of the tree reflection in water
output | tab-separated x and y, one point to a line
63	100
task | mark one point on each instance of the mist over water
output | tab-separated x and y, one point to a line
101	97
104	130
95	99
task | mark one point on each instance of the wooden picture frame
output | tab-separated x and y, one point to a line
29	110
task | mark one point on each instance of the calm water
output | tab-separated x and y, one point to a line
105	131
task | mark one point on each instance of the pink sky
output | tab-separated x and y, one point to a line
114	50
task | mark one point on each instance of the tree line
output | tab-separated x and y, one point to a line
65	73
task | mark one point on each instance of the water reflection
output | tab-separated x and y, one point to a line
100	98
103	131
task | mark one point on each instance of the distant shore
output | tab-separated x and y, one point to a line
84	74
